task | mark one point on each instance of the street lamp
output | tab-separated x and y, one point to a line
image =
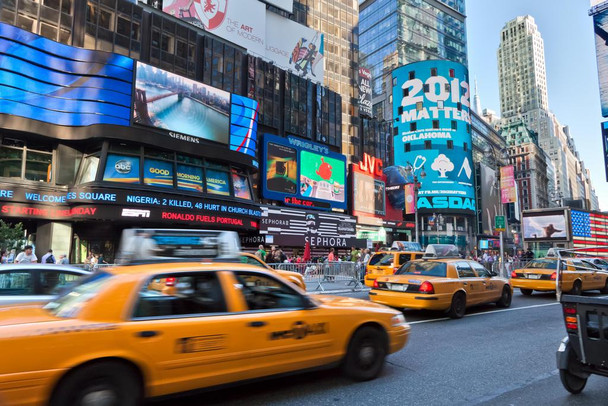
411	172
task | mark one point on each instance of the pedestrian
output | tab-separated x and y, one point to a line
270	256
279	256
332	255
27	256
63	260
261	252
529	255
48	258
3	257
101	259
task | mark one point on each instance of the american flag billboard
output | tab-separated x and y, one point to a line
590	230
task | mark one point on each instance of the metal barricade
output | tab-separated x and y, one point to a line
341	275
509	267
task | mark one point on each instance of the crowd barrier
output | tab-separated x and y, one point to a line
508	268
340	275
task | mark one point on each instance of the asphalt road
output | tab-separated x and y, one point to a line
490	357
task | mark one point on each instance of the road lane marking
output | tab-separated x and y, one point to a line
490	312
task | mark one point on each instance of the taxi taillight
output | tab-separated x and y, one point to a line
513	274
571	319
170	281
554	276
395	269
426	287
376	283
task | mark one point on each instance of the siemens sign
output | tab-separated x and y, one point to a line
433	132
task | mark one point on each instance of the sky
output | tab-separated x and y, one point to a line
572	82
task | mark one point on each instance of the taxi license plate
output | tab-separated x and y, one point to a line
533	276
399	287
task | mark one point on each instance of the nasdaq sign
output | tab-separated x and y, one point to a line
433	132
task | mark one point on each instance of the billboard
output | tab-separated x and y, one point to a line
600	26
432	132
508	191
589	229
605	145
295	47
244	125
490	198
303	173
57	84
164	100
368	190
545	226
365	92
239	21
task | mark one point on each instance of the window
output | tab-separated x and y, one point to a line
481	271
52	282
38	161
403	258
433	71
454	125
413	126
263	292
88	169
464	270
423	268
435	124
16	283
180	295
412	75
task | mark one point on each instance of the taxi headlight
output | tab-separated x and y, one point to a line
397	320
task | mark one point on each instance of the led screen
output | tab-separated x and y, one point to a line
431	106
175	103
123	169
47	81
244	125
322	177
545	227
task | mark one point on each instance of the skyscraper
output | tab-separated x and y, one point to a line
521	68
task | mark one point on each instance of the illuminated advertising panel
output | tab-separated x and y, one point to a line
600	26
175	103
158	173
123	169
605	144
508	190
432	134
490	198
302	173
244	125
51	82
545	226
365	92
368	190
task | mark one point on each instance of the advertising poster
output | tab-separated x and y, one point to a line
244	125
303	173
365	92
175	103
363	194
431	104
217	182
239	21
190	178
240	183
322	177
490	198
545	227
123	169
410	194
281	168
600	26
158	173
368	190
508	191
605	145
295	47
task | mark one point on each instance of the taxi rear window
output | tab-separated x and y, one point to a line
542	264
424	268
381	259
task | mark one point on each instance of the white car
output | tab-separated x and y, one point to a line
599	262
21	283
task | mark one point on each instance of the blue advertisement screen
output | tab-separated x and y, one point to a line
217	182
244	125
431	106
123	169
158	173
190	178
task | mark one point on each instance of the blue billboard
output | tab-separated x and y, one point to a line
433	133
303	173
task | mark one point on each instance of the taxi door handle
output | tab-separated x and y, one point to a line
147	334
257	324
464	283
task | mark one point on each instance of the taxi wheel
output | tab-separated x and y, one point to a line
505	298
526	292
365	356
458	307
101	383
577	288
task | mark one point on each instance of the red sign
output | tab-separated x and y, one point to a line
371	165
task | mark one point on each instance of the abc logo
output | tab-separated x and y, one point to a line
159	171
122	166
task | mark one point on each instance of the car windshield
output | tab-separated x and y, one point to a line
381	259
71	301
542	264
424	268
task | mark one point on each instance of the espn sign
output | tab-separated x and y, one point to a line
135	213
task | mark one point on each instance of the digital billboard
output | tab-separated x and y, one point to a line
365	92
175	103
120	168
433	133
545	226
368	190
302	173
490	198
58	84
244	125
600	26
605	145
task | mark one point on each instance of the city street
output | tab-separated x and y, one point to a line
490	357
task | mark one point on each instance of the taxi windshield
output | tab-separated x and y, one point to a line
381	259
424	268
68	304
542	264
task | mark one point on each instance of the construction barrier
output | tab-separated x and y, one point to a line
327	275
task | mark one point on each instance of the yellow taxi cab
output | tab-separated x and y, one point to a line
114	339
387	262
442	281
294	277
577	276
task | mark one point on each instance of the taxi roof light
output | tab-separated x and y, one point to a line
434	251
162	244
